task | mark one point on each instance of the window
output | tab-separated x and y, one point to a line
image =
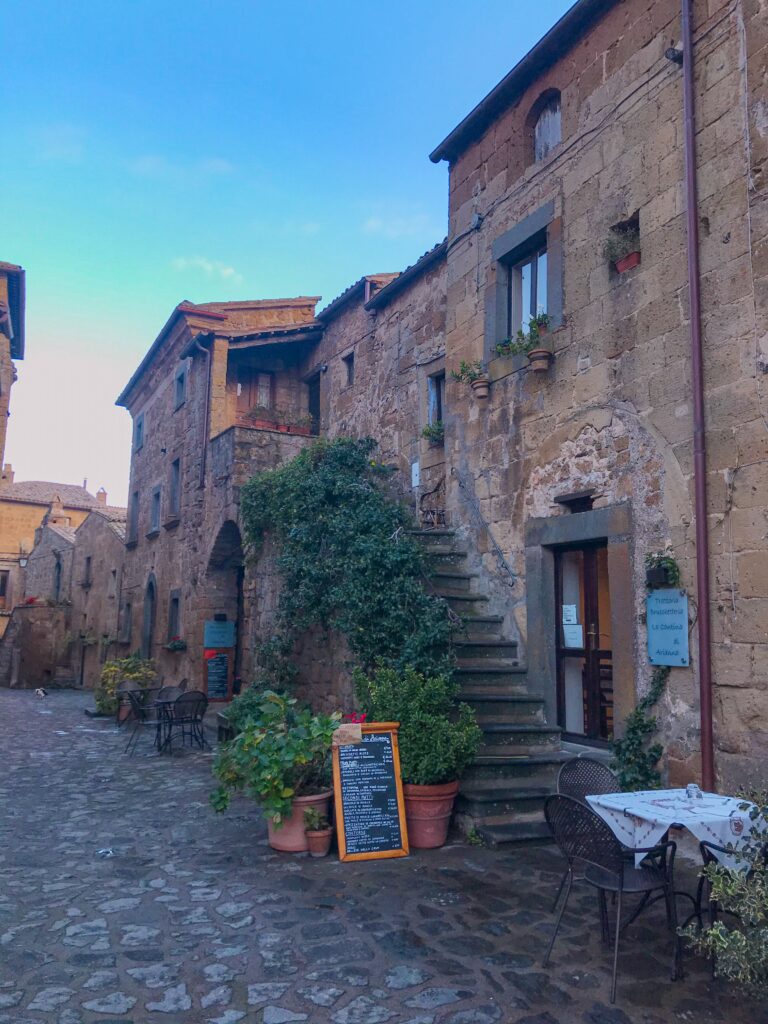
87	572
436	398
526	290
154	511
255	388
133	519
57	579
546	127
5	577
126	623
174	615
174	490
138	432
349	363
112	584
179	388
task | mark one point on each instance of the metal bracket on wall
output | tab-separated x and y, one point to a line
505	569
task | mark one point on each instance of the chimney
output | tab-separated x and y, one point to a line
6	479
56	516
101	496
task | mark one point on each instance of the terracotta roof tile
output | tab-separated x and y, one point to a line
44	492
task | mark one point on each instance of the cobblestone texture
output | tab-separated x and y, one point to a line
190	918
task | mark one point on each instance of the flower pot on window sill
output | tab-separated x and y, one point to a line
303	431
481	386
540	359
632	259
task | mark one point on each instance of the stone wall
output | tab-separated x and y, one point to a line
48	573
32	653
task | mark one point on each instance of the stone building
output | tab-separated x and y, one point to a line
545	497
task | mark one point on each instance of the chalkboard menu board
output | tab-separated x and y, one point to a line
370	814
217	675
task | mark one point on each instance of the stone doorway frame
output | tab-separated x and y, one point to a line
542	536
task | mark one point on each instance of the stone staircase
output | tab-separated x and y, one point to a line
502	794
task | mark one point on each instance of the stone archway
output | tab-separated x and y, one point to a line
224	583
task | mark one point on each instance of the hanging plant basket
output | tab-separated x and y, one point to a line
481	386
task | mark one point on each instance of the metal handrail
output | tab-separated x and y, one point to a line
505	569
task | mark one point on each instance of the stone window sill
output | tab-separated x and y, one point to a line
130	544
153	533
171	522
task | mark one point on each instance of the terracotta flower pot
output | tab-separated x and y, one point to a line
428	812
632	259
319	843
289	836
481	387
539	359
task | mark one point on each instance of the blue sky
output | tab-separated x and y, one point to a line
214	149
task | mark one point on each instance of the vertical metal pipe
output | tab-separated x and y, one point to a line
699	434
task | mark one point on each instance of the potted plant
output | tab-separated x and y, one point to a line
262	417
622	248
661	569
434	433
176	643
438	738
136	670
539	357
473	374
280	757
318	831
303	426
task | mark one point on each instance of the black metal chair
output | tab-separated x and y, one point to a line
123	688
187	713
583	836
145	715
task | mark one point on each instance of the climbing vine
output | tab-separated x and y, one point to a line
635	762
346	559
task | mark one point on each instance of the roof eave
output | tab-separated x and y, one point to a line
421	266
560	38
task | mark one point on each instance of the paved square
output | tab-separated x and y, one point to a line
187	917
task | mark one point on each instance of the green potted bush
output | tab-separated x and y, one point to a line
319	832
434	433
438	738
281	757
136	671
475	375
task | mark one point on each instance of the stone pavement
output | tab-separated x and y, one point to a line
190	917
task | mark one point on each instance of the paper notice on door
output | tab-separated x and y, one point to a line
569	614
573	634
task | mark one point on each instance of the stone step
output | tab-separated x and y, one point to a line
513	831
520	770
452	581
478	626
462	602
487	799
429	539
449	557
503	738
505	707
481	650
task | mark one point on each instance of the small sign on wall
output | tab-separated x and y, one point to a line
415	474
667	619
218	634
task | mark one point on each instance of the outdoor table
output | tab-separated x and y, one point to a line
642	819
164	717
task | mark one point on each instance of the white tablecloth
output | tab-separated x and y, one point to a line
641	819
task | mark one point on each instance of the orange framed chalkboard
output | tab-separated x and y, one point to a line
368	795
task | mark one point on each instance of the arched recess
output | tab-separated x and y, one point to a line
149	617
544	126
224	583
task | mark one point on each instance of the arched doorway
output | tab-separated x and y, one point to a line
224	584
148	620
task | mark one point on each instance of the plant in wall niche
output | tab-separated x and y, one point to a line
634	759
346	560
661	569
622	248
434	432
176	643
473	374
438	738
738	944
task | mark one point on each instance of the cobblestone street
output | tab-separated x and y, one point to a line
192	918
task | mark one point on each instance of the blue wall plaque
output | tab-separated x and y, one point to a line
667	619
219	634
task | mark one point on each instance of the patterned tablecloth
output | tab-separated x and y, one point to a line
641	819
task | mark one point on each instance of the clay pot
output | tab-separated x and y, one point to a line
428	812
289	836
319	843
539	359
632	259
481	387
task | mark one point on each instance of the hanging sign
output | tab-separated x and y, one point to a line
368	795
667	619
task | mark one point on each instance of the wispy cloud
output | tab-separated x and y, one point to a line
61	142
211	268
153	165
398	222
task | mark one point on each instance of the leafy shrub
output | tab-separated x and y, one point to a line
635	759
346	559
437	737
133	668
282	751
740	945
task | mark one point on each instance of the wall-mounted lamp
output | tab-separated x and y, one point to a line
675	55
324	368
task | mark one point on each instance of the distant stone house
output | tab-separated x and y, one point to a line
546	497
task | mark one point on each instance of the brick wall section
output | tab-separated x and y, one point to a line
615	410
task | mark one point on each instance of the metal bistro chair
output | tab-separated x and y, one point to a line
583	835
121	693
187	713
579	778
146	715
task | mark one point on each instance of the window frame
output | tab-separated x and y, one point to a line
544	106
435	397
155	510
179	388
132	526
349	365
126	623
515	279
174	602
174	489
138	433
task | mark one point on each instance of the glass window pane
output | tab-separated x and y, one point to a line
525	306
541	283
264	397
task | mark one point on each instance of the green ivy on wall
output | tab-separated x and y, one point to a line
346	559
635	761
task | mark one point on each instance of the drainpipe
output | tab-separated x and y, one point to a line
699	435
206	352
